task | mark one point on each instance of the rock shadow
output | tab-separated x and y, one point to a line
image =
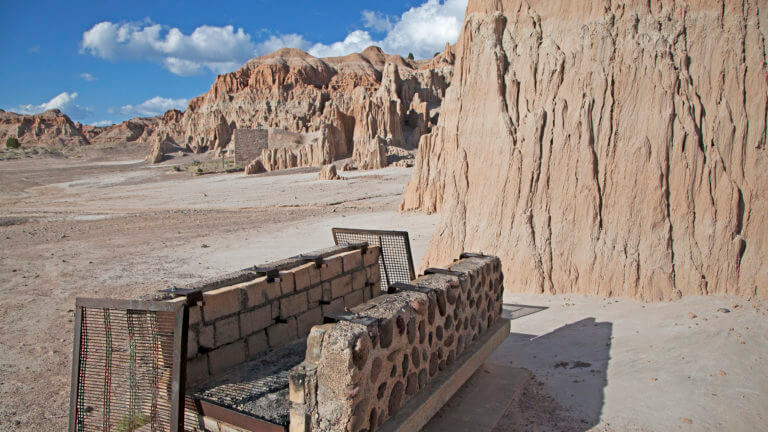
569	364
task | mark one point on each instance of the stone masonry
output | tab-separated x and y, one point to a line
250	315
359	371
248	144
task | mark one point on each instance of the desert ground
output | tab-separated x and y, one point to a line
105	228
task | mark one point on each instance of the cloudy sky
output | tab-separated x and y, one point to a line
107	61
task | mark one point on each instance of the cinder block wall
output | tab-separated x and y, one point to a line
358	373
237	322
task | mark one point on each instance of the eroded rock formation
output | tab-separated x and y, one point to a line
51	128
329	173
345	105
605	147
341	107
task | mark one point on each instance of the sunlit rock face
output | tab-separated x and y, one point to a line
605	147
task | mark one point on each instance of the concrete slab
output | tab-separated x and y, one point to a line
482	401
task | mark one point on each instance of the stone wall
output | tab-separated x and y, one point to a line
359	371
243	315
248	144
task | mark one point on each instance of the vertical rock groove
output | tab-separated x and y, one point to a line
618	195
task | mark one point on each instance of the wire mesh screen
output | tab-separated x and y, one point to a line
126	366
395	261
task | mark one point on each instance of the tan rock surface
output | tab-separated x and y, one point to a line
49	128
340	104
606	148
329	173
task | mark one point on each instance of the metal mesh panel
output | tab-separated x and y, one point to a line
126	372
395	261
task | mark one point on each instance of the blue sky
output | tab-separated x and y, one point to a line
107	61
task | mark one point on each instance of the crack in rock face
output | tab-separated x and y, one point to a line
606	148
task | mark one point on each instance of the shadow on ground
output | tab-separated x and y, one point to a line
552	382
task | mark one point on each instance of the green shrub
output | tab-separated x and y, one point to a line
133	422
12	143
410	56
176	168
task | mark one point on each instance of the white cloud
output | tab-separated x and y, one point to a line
153	107
377	21
274	43
103	123
356	41
88	77
65	102
422	30
219	49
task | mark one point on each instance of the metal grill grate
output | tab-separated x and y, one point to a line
396	261
127	368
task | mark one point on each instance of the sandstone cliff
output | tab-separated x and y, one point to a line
349	104
342	107
49	128
605	147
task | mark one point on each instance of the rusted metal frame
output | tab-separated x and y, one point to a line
353	318
381	233
179	371
466	255
193	295
235	417
75	383
399	286
440	271
142	305
181	327
384	264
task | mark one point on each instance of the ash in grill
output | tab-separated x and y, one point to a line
258	388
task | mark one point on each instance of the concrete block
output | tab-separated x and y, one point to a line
341	286
353	299
257	344
371	256
296	385
326	294
221	302
287	283
359	279
293	305
211	424
192	344
332	267
226	357
373	274
197	369
302	276
308	319
255	320
351	260
336	306
314	295
227	330
275	306
205	337
259	291
281	333
315	343
195	315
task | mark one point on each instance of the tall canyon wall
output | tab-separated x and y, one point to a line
605	147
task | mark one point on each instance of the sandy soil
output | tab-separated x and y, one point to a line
121	229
